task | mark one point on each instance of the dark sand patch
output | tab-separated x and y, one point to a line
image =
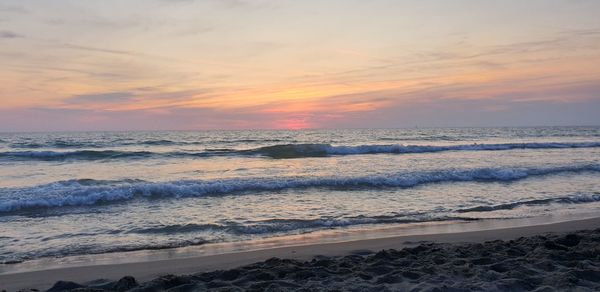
549	262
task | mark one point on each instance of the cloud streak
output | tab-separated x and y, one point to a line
101	98
7	34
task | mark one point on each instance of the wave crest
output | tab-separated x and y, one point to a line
282	151
91	192
318	150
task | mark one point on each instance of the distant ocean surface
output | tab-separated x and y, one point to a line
65	194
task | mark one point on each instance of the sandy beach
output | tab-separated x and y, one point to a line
520	258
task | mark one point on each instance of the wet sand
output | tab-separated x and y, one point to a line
484	259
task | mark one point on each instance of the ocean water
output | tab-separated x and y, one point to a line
64	194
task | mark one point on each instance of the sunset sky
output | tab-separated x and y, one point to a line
236	64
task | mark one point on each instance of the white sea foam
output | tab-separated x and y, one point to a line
90	192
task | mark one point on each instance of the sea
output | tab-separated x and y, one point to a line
84	193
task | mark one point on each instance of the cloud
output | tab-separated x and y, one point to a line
13	9
481	113
155	99
6	34
496	103
100	50
102	98
226	3
497	111
62	119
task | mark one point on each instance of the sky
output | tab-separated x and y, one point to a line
240	64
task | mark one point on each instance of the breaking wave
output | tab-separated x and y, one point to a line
90	192
317	150
282	151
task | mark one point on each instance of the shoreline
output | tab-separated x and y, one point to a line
153	266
